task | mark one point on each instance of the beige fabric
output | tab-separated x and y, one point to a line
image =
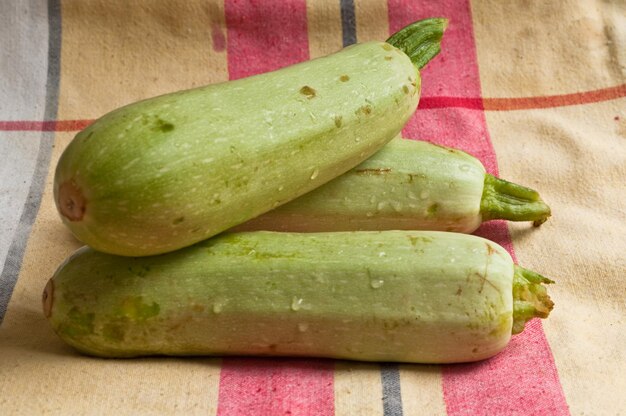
324	27
358	389
424	383
543	48
116	52
371	23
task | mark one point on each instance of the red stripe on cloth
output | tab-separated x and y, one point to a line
549	101
524	103
525	372
474	103
426	103
261	37
55	125
257	386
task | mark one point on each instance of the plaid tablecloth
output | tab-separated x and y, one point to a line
535	89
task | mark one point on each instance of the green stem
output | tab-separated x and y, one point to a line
530	297
421	40
508	201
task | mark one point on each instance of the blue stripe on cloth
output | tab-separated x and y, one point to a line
13	262
392	395
348	22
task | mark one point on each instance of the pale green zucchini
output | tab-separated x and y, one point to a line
408	185
407	296
164	173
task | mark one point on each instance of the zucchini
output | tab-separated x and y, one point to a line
167	172
408	296
408	185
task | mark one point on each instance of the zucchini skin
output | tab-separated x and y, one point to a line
406	296
173	170
408	185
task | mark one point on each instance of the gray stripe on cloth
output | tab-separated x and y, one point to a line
348	22
19	150
23	65
392	395
23	55
13	261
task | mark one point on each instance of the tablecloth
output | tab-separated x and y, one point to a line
535	89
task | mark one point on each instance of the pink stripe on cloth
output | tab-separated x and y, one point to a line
265	35
453	73
257	386
261	37
522	379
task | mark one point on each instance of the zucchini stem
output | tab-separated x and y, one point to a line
530	297
509	201
421	40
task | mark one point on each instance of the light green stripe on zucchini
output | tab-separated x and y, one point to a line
403	296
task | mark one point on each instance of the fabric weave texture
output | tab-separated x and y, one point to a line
535	90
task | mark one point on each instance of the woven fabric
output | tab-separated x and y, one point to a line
535	90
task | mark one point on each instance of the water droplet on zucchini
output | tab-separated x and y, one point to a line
296	303
377	283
